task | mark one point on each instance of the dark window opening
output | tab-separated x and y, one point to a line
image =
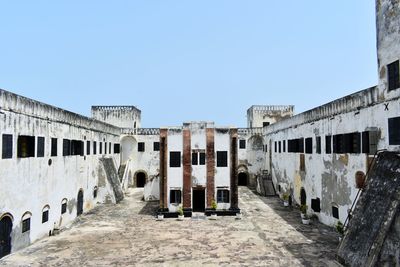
94	147
202	158
284	146
296	145
276	146
7	149
316	205
141	147
156	146
66	147
265	124
370	141
140	179
309	146
109	148
318	139
105	148
45	216
175	197
87	147
117	148
77	148
394	131
100	148
328	144
242	179
335	212
26	146
63	208
347	143
393	75
302	162
222	159
280	146
53	152
40	147
26	225
95	192
242	144
223	196
266	148
174	159
195	158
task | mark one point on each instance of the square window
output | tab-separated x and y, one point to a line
242	144
222	159
26	225
223	196
45	216
7	146
175	197
195	158
393	75
53	147
335	212
66	147
265	124
175	159
316	205
141	147
117	148
26	146
40	147
202	158
328	144
156	146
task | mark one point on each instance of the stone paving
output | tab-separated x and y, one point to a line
127	234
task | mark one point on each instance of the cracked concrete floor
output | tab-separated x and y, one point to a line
127	234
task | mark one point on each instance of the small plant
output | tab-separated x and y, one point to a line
303	209
340	227
180	211
285	197
213	205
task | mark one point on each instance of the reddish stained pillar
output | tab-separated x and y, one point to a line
187	169
234	169
210	156
163	169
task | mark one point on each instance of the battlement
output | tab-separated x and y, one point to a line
114	108
271	108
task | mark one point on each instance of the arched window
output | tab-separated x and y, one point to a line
26	222
45	214
64	206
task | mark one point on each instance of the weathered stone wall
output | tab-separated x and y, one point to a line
120	116
30	184
257	115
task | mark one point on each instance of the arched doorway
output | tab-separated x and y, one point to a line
243	179
303	196
140	179
5	236
80	203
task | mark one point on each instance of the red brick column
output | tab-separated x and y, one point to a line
234	169
163	169
210	157
187	170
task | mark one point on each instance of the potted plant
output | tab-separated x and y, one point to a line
340	230
214	208
285	198
303	210
181	215
305	219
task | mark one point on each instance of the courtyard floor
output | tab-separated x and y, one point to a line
127	234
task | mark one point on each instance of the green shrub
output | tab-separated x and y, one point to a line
214	205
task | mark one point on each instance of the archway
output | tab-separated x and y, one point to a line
243	179
80	203
140	179
303	196
5	235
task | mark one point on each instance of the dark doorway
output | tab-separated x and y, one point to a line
303	197
242	179
5	236
80	203
140	179
199	199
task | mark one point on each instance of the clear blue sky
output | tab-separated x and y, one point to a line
187	60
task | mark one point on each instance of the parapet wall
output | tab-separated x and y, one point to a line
120	116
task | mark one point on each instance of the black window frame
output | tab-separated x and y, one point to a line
156	146
117	148
393	75
26	225
63	208
318	145
94	148
394	131
202	158
242	144
54	147
309	145
195	158
141	147
175	196
175	159
328	144
45	216
223	196
29	142
88	146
